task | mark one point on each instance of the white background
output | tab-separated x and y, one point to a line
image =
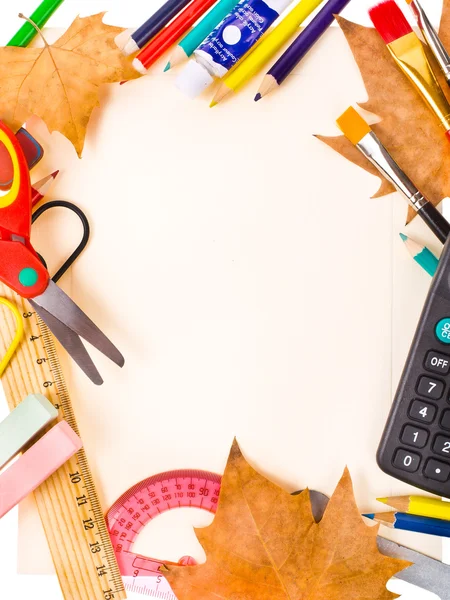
133	13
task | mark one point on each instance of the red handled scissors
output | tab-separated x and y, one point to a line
22	271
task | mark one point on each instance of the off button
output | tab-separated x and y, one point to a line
442	330
436	362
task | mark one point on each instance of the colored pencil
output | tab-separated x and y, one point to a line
419	505
300	47
40	17
42	187
398	520
271	43
360	134
421	254
195	37
409	54
170	34
432	38
129	44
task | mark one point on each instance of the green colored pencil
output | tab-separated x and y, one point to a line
203	28
40	17
424	257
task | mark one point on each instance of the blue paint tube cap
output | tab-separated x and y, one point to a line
193	79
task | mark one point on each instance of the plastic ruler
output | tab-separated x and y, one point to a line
144	502
67	502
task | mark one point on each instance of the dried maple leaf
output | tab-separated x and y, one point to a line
265	545
60	83
407	128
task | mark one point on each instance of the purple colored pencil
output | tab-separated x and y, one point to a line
300	46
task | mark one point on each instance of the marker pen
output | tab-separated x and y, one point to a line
228	43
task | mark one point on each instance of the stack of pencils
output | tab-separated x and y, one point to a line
171	25
415	513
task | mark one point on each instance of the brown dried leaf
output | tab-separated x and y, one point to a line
265	545
60	83
408	129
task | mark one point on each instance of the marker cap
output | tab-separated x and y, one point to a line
193	79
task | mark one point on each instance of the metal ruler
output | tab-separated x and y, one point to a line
67	502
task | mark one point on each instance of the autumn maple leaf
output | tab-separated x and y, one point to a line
265	545
408	128
60	82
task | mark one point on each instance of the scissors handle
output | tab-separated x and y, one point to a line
21	269
15	204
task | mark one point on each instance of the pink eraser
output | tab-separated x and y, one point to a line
49	453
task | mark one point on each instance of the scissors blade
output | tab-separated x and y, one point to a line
58	304
71	342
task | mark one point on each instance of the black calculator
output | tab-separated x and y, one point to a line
415	446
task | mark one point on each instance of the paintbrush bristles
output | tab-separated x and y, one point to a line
353	126
389	21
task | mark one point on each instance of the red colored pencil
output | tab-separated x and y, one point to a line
170	34
41	187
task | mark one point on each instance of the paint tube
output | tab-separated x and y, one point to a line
228	43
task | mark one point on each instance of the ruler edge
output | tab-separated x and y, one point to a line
42	495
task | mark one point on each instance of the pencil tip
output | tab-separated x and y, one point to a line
369	515
213	103
257	97
403	236
383	500
167	67
55	173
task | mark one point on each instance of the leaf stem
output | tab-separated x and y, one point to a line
33	24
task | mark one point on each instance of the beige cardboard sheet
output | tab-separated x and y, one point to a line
240	266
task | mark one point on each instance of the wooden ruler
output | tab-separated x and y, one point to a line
67	502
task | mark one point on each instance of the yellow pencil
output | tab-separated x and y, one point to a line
271	43
419	505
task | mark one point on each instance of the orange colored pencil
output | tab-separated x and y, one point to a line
170	34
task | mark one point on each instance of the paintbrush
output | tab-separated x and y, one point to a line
409	54
432	38
355	129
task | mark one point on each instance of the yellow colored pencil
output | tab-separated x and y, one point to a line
419	505
270	44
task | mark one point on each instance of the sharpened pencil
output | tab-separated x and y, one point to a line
406	522
419	505
170	34
300	47
42	187
131	43
272	42
421	254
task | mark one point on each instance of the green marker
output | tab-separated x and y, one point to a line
40	17
424	257
196	36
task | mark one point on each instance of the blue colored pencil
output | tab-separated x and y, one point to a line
129	44
407	522
424	257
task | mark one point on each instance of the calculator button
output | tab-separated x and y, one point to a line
406	461
431	388
445	420
422	411
441	445
442	330
437	470
436	362
414	436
